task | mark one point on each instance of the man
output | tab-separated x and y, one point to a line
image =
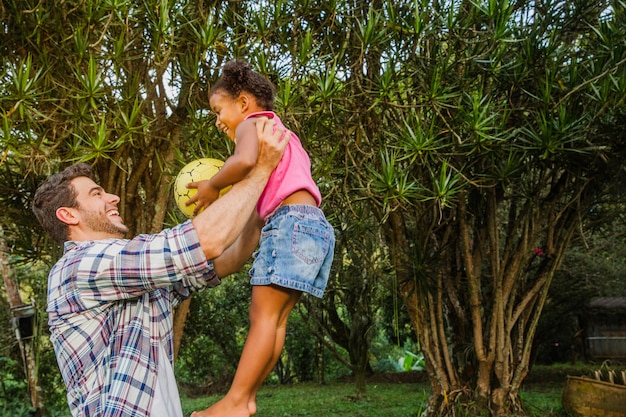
110	299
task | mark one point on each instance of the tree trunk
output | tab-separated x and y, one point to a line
475	300
180	317
319	369
26	342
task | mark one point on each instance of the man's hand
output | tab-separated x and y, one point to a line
272	143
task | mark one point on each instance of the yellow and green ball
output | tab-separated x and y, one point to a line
198	170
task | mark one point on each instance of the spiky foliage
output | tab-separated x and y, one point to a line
467	141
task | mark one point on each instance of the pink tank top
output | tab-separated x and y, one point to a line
292	174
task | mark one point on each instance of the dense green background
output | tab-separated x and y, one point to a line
449	140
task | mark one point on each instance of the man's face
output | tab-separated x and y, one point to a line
97	210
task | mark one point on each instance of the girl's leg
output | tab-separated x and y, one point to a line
266	311
281	331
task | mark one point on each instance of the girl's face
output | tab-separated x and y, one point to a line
229	112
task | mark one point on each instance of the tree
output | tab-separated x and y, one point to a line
479	135
483	135
23	322
512	133
345	316
116	84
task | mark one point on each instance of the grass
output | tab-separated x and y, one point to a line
543	400
334	399
385	399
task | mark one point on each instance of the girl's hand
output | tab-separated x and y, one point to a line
205	196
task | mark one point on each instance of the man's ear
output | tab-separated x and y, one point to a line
67	215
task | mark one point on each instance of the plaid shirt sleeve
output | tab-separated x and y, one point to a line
109	308
128	268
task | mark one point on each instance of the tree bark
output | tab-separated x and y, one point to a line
180	317
26	345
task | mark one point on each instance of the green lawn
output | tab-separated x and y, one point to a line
382	400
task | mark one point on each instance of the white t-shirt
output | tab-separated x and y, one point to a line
166	401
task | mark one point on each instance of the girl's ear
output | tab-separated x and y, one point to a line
67	215
244	102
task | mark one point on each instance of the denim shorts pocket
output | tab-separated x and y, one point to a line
310	241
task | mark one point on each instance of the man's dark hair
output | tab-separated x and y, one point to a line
57	192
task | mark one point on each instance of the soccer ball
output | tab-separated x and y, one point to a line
200	169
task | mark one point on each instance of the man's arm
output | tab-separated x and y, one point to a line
219	225
235	257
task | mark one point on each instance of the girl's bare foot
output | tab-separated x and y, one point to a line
252	407
224	408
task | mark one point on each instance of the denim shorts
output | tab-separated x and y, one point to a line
296	250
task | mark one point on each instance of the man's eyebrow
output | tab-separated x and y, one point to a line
94	189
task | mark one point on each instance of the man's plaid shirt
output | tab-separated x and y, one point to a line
110	305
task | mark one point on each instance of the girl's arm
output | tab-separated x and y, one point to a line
235	168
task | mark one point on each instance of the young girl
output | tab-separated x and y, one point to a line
297	243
